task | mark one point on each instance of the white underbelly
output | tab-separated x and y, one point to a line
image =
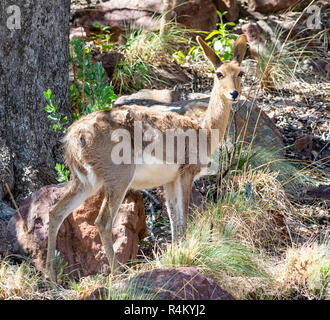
148	176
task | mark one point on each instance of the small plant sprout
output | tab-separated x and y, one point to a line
221	40
54	115
103	38
62	173
90	90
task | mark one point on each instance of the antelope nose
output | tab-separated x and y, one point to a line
234	94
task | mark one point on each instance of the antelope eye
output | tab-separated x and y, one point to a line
241	74
219	75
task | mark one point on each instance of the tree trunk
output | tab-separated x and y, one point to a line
34	56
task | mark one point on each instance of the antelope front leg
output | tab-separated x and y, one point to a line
115	188
104	224
52	235
177	195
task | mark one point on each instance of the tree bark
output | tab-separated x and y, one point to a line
34	57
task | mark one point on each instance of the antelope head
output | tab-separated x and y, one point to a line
228	75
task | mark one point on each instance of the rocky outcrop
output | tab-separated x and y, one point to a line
78	239
196	14
185	283
269	6
109	61
230	6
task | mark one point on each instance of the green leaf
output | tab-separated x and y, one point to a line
212	34
52	117
48	109
48	94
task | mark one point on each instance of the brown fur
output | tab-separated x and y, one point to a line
88	147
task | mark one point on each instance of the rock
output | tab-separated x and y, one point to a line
256	38
173	74
78	239
6	212
259	127
185	283
318	66
149	97
230	6
196	14
77	33
109	61
269	6
301	143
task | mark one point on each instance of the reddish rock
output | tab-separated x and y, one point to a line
109	61
77	33
230	6
195	14
269	6
301	143
185	283
78	239
253	34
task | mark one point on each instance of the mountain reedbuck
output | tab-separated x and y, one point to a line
92	142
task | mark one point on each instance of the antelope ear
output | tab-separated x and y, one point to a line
209	53
240	48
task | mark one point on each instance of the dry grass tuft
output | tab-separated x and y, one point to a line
253	209
22	282
305	272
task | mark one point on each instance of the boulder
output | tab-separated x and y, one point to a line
6	212
185	283
269	6
301	143
230	6
109	61
196	14
78	239
257	39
